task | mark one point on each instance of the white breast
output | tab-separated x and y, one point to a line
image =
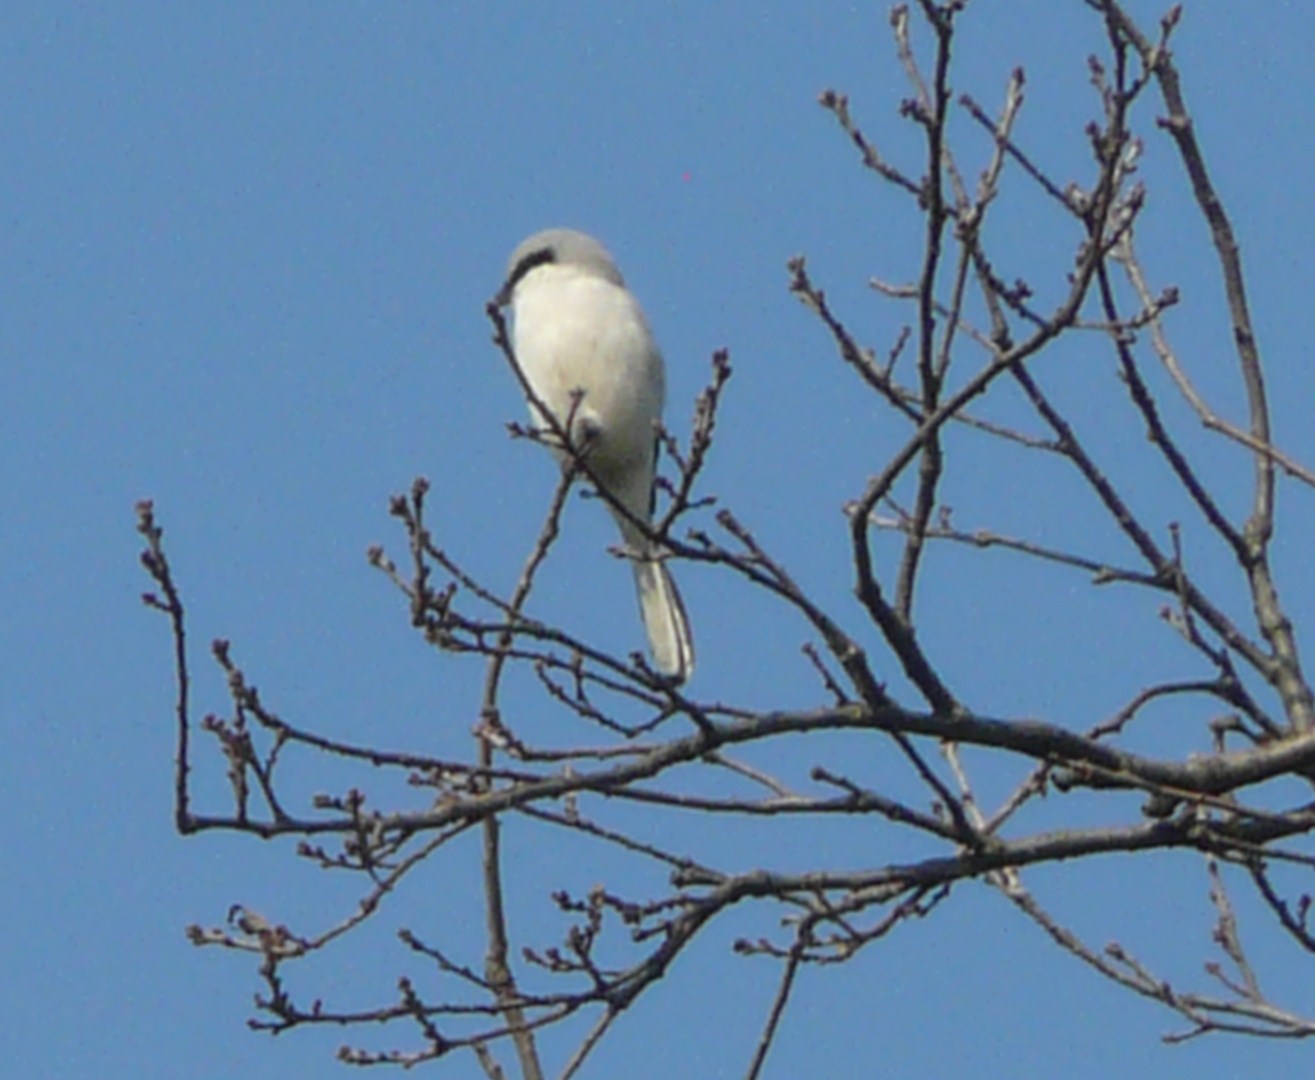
576	331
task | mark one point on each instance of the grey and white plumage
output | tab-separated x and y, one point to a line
577	330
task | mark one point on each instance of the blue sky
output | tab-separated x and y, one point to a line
246	251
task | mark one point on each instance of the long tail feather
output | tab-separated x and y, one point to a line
665	620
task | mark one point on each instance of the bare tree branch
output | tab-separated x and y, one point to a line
629	755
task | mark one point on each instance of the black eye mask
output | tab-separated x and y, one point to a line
540	257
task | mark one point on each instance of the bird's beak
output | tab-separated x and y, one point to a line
504	296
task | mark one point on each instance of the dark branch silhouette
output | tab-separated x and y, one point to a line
632	740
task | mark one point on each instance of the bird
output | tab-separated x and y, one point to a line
585	351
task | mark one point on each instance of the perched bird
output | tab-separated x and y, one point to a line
584	347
